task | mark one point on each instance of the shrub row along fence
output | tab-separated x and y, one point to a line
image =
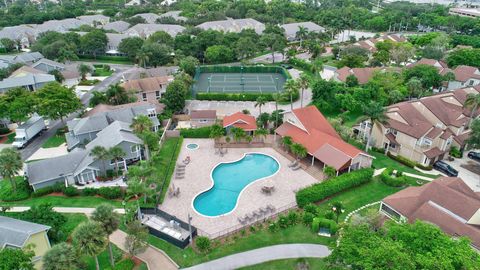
321	191
245	69
234	97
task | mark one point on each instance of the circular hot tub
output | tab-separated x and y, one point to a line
192	146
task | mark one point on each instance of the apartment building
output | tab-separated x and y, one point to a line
423	130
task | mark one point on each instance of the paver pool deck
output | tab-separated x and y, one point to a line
197	179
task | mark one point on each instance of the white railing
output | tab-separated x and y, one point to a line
162	138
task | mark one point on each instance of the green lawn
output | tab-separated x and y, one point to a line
54	141
261	238
10	138
354	198
107	60
79	201
351	118
383	161
100	71
288	264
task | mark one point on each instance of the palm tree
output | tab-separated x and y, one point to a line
472	101
142	125
317	66
238	134
117	154
84	70
290	88
261	132
142	170
301	34
216	132
61	257
100	153
287	142
109	220
143	58
337	209
303	83
10	164
374	112
90	239
299	150
261	100
414	86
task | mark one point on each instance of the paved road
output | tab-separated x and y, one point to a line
267	58
37	143
265	254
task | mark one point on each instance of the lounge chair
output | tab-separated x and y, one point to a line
248	217
271	208
242	220
181	165
263	210
297	167
179	176
256	213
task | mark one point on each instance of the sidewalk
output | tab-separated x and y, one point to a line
265	254
153	257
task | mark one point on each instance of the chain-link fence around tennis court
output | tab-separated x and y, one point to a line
238	79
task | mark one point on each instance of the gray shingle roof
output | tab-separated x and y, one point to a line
174	14
25	80
18	32
26	57
232	25
88	124
145	30
49	62
14	232
291	29
118	26
93	18
60	25
149	17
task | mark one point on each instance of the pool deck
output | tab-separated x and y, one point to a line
197	179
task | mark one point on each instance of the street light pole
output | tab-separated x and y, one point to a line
190	227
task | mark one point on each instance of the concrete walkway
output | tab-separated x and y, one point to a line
265	254
153	257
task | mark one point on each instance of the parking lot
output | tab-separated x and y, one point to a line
471	179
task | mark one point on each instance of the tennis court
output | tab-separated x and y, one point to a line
239	82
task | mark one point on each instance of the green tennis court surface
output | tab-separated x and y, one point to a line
239	82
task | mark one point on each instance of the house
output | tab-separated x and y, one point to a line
465	12
113	43
23	34
140	73
81	131
19	234
148	89
465	76
240	120
423	130
26	58
363	75
79	166
150	18
175	14
29	81
146	30
61	26
233	25
203	118
69	71
439	64
446	202
117	26
94	20
291	29
308	127
369	44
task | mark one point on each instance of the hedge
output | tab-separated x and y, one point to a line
202	132
320	191
394	181
4	131
318	223
110	192
233	97
246	69
405	161
7	194
300	63
58	187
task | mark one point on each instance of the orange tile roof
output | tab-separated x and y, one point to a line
240	120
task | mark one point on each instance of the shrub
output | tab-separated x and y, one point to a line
89	192
308	218
390	180
320	191
405	161
110	192
455	152
58	187
273	227
110	173
311	208
233	97
202	132
283	222
318	223
71	191
300	63
292	217
203	243
125	264
426	168
23	190
4	131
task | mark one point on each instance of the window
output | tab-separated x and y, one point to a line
151	113
203	121
470	82
144	96
390	212
135	148
157	94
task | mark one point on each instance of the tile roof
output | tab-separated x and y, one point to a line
416	124
433	152
240	120
320	138
174	14
464	73
15	232
93	18
25	79
203	114
145	30
447	202
233	25
117	26
139	72
149	17
151	84
362	74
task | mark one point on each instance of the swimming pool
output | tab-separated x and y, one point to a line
229	179
192	146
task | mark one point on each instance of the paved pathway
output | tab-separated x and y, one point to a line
153	257
265	254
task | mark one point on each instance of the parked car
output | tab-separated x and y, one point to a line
445	168
286	66
474	155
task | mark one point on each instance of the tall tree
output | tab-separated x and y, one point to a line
141	123
55	101
189	65
94	42
137	237
100	154
291	88
105	215
90	239
261	101
14	258
143	58
474	139
117	95
17	105
175	95
375	113
130	46
10	164
142	126
274	42
317	66
298	150
301	34
61	257
303	83
84	70
117	154
472	102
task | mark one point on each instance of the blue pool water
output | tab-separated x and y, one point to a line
229	179
192	146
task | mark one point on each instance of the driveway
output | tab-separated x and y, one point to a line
267	58
265	254
470	178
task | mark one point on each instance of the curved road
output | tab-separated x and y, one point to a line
265	254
